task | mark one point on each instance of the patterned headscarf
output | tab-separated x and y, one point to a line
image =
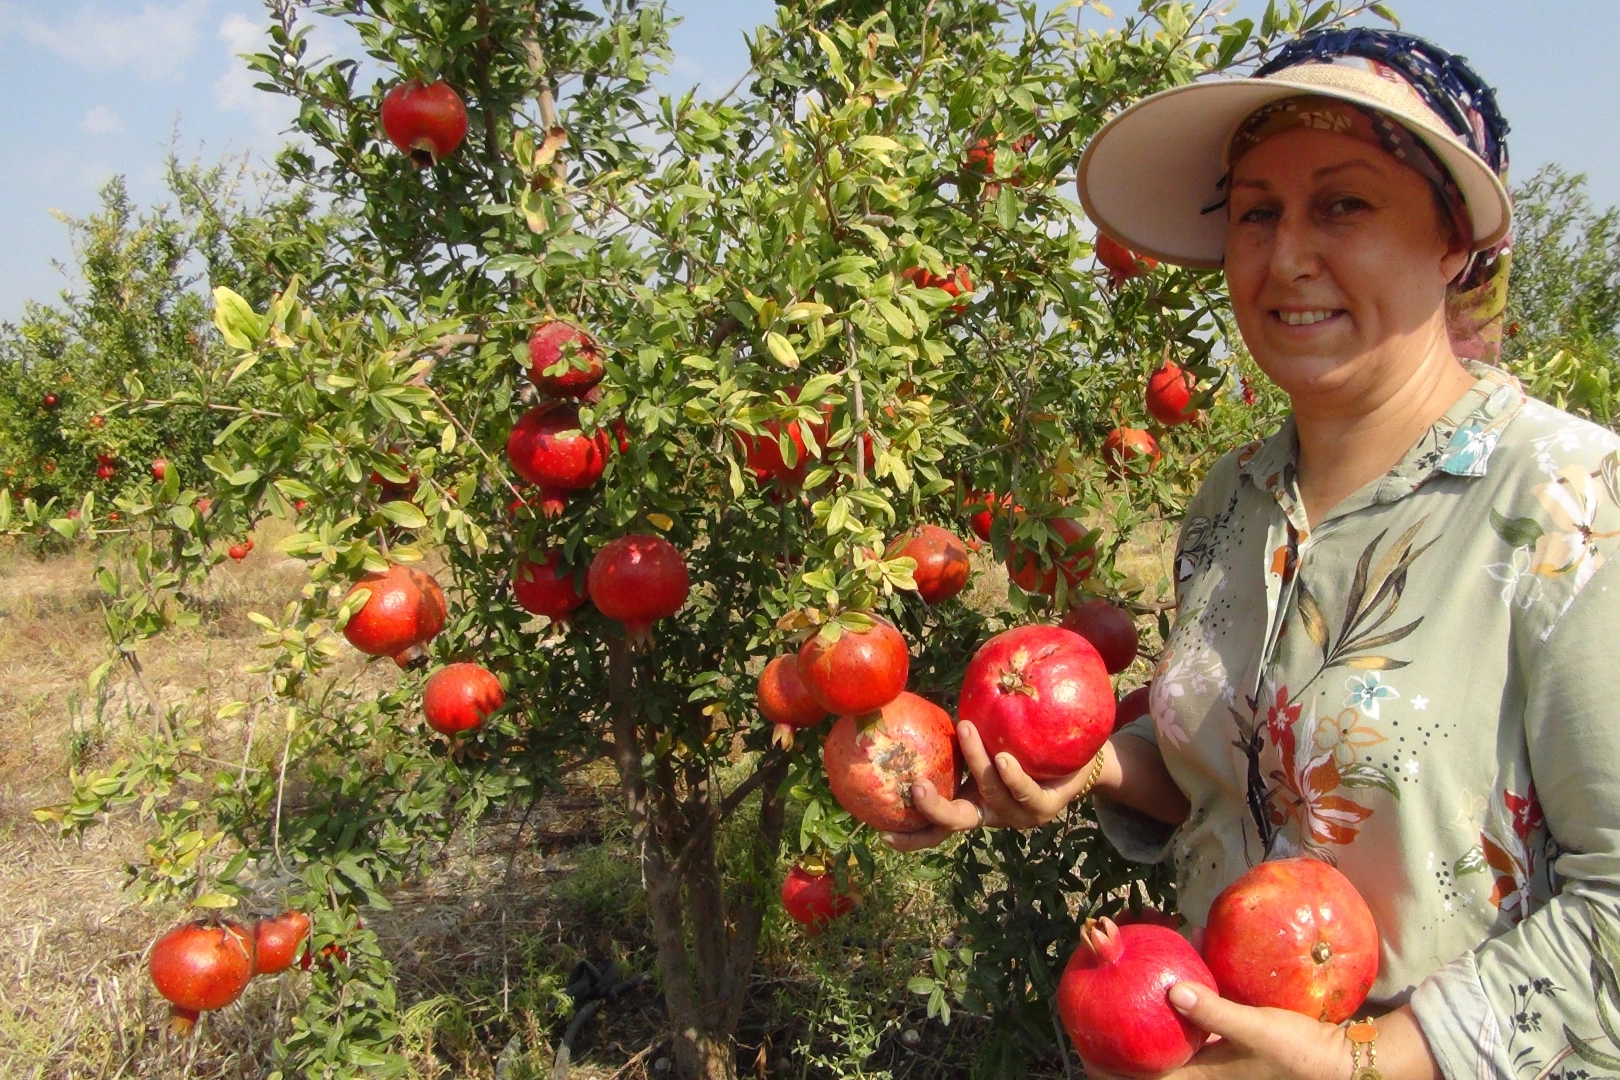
1476	302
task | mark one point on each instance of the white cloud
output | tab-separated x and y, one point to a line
101	121
268	115
154	41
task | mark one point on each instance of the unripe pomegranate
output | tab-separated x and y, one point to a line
105	472
850	672
1041	694
1132	705
1110	629
871	766
638	580
1124	446
405	611
1293	934
1075	562
547	587
548	448
942	561
1114	998
1169	395
200	967
812	898
457	697
276	941
425	122
1122	263
553	342
160	469
237	552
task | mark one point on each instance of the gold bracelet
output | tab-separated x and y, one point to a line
1096	773
1363	1033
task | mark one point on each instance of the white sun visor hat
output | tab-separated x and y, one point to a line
1149	175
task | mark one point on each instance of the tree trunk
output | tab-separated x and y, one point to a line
706	945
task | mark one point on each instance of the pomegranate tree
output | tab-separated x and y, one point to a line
425	121
458	697
1041	694
872	764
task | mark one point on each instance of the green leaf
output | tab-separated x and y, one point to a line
1516	532
214	900
782	349
238	324
1471	863
1589	1053
1364	774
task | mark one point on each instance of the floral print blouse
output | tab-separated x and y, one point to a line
1424	690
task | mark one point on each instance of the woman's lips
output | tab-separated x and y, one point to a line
1306	316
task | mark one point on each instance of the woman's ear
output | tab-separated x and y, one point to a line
1458	253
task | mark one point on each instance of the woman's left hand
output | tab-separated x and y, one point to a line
1255	1044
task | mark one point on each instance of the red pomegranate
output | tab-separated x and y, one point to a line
1169	395
276	941
237	552
548	448
811	896
555	342
942	561
425	122
1114	998
105	459
404	612
1125	446
50	401
1293	934
871	766
105	472
1041	694
638	579
457	697
1132	705
783	697
98	422
850	672
1122	263
1110	629
959	282
1248	391
981	156
396	490
983	508
200	967
762	454
1075	558
547	587
1149	917
160	469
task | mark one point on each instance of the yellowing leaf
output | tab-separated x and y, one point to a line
782	349
661	522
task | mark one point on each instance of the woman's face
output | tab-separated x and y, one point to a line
1337	263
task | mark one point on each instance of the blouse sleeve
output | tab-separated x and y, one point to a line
1543	999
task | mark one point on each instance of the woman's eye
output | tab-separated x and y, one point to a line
1346	204
1258	215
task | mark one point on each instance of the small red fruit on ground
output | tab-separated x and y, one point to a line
1114	998
812	898
547	587
1293	934
871	767
425	122
237	552
201	967
458	697
277	941
942	561
1026	571
1124	446
555	342
548	448
1132	705
1122	263
160	469
856	672
1169	395
405	610
1110	629
638	579
1041	694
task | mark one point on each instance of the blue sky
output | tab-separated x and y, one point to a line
100	87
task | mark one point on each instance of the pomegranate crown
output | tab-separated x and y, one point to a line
1101	936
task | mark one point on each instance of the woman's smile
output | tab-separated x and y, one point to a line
1307	318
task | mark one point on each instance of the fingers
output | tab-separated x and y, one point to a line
1240	1024
983	770
916	841
956	815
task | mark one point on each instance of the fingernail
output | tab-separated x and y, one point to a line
962	729
1183	996
918	791
1004	761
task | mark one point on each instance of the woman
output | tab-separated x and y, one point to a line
1394	616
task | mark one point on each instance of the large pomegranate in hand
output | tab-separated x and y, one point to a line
1114	998
425	122
871	766
1125	446
276	942
404	612
1041	694
554	343
942	561
1293	934
1169	395
850	672
638	580
812	898
1122	263
1068	554
199	967
547	447
547	587
457	697
1110	629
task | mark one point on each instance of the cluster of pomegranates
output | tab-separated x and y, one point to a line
202	966
1289	934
